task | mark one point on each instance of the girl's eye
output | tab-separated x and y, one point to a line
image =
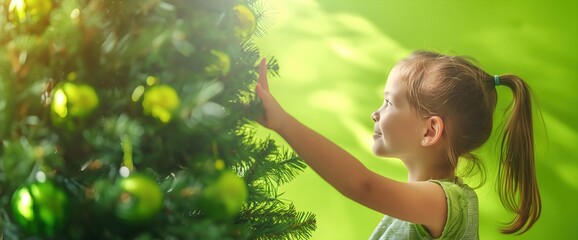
387	102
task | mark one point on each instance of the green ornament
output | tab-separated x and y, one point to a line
73	101
33	11
140	199
160	102
40	208
246	22
225	197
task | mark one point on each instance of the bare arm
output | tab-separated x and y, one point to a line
418	202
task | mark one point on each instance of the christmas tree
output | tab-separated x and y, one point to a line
131	120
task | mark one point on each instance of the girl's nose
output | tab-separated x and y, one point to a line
375	116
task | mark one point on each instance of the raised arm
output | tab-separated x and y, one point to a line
418	202
330	161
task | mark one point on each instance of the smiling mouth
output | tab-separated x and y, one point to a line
376	135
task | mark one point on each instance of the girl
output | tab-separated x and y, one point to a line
437	110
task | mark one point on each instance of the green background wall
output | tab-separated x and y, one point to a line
334	58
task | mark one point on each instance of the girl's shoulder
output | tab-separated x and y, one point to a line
462	216
455	186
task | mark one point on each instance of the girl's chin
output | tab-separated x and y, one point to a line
379	151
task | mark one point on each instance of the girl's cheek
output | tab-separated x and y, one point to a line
401	130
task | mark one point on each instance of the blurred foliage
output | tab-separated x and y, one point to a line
131	120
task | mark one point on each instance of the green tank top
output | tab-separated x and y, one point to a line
461	223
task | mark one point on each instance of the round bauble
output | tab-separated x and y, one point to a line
140	199
246	22
33	11
224	198
72	101
40	208
160	102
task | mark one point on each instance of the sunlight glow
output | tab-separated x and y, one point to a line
25	205
331	101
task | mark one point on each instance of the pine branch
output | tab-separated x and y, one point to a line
264	14
268	162
274	220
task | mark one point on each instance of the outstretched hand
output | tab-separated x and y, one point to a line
273	115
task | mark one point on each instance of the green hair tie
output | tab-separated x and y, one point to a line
497	80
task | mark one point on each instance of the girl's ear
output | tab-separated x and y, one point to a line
432	130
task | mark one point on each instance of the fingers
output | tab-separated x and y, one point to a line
265	100
263	74
259	90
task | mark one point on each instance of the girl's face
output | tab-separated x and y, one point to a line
396	124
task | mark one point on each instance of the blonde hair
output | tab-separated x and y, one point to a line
464	96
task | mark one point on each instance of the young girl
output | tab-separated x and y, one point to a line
437	109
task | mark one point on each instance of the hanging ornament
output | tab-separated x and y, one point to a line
40	208
73	101
246	22
225	197
160	102
219	64
31	11
140	199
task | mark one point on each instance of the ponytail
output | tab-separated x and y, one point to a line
517	185
463	93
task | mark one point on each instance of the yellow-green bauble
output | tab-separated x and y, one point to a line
140	199
33	11
246	22
72	101
40	208
160	102
224	198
